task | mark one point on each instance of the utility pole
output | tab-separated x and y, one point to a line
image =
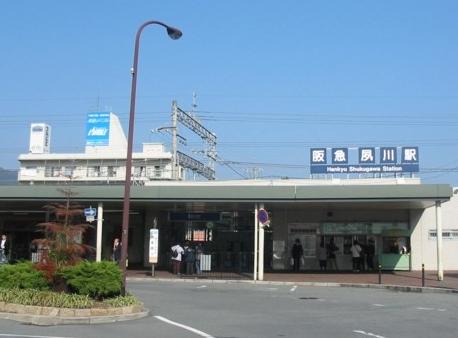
174	140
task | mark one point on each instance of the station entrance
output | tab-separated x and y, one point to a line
222	241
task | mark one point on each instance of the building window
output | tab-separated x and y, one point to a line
396	245
139	171
56	171
112	171
451	234
93	171
68	171
29	171
103	171
157	171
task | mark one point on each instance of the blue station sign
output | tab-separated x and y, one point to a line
370	160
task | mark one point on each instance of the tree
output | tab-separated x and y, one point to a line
62	243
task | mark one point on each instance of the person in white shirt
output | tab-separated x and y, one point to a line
322	256
356	256
176	255
3	250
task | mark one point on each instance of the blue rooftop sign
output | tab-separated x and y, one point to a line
98	129
389	160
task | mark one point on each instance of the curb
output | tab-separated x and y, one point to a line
393	287
45	316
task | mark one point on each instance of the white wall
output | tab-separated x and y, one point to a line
424	248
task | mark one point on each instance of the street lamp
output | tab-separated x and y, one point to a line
174	34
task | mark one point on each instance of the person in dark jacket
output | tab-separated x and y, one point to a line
296	253
189	258
370	254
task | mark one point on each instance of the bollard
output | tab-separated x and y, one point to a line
380	274
423	275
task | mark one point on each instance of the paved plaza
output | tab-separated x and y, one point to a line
401	278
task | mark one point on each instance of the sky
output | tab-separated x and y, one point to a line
272	79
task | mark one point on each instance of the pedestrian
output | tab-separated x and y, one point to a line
176	256
116	255
331	251
199	252
189	259
362	257
4	250
356	256
370	253
322	255
297	253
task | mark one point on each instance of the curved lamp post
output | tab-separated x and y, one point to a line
174	34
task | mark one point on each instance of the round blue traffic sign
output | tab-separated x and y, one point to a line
263	216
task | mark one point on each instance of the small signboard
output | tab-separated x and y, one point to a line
90	214
153	245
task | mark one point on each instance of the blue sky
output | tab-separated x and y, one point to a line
272	78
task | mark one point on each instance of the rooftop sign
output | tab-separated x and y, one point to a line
98	129
369	160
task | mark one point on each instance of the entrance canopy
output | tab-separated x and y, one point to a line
291	192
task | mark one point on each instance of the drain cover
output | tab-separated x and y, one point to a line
308	298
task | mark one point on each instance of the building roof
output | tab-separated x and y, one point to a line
237	192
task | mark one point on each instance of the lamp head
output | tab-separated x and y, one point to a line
174	33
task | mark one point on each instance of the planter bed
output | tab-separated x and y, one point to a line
42	315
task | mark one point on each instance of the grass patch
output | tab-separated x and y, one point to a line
61	300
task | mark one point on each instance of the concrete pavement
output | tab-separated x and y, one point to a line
400	278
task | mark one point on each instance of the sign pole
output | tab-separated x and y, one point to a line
261	247
255	265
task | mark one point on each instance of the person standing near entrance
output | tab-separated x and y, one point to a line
176	253
296	253
322	256
356	256
370	253
199	252
331	250
4	250
189	258
116	256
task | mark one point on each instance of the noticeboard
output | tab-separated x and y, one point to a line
153	245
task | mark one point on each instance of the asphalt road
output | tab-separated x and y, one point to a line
197	309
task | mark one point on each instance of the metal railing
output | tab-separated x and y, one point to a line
219	265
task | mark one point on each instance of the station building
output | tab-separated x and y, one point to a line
410	223
400	215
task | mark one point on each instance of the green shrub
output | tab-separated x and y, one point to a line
45	298
96	279
22	275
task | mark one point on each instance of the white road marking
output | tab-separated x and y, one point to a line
380	305
198	332
293	288
26	336
202	286
430	309
368	334
272	289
